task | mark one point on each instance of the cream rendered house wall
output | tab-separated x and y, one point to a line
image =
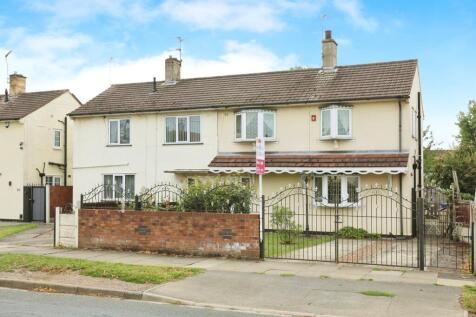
148	157
11	170
39	133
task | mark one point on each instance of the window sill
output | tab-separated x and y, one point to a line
348	205
183	143
118	145
345	138
254	141
57	148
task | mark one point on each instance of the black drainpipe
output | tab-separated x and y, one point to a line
65	151
420	163
400	176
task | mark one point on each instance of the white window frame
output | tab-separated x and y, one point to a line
343	190
57	147
414	124
118	131
334	124
188	130
56	180
114	184
243	125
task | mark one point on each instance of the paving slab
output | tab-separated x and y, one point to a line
339	297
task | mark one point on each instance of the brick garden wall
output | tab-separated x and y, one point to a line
191	233
60	196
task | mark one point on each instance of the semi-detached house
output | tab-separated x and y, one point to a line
358	122
34	147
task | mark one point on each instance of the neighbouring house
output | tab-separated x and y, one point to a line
356	122
34	135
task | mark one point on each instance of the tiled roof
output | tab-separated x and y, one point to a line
347	83
23	104
315	160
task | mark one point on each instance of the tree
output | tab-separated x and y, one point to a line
467	127
439	164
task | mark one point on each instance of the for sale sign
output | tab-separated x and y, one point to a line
260	147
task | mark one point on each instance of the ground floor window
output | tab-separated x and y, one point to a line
332	189
117	186
53	180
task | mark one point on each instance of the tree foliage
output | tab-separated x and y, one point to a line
439	163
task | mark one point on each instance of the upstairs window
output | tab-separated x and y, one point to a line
119	132
246	125
336	122
57	139
182	129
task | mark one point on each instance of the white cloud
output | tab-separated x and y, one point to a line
61	71
258	16
353	9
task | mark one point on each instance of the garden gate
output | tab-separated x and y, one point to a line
371	226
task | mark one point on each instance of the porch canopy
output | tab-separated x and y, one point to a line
314	163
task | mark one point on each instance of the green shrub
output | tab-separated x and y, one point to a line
215	197
356	233
283	222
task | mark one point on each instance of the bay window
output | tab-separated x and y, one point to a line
117	186
340	190
119	132
336	122
246	125
183	129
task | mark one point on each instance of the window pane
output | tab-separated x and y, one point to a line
343	122
57	181
182	130
318	189
238	126
57	138
190	181
352	187
170	131
108	187
130	186
113	132
118	187
194	129
268	122
49	180
125	131
251	125
326	123
333	190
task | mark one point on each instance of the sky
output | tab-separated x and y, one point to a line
87	45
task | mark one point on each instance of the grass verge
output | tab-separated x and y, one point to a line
8	230
140	274
377	294
273	246
468	298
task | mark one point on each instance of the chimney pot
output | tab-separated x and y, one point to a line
17	84
329	51
172	69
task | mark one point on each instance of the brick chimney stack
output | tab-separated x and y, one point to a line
17	84
329	51
172	69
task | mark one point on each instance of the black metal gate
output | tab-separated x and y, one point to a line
449	231
34	203
368	226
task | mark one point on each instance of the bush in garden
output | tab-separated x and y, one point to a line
214	197
356	233
283	222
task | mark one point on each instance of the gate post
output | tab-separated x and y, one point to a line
421	233
262	227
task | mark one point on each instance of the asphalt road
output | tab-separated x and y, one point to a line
16	303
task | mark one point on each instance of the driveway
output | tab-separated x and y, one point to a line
39	237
